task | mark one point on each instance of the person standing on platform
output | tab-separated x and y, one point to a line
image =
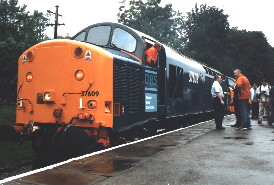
218	103
243	88
255	101
271	94
264	105
236	106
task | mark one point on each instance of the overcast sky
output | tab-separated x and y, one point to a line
252	15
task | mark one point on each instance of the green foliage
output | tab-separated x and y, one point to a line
205	35
206	30
211	41
252	54
11	153
162	23
7	114
64	37
18	31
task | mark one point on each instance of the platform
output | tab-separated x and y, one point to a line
196	155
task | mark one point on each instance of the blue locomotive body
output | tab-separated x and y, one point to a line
176	86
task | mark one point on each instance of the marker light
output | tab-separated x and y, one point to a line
78	52
79	75
30	56
29	77
92	104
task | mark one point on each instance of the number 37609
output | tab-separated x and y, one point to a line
90	93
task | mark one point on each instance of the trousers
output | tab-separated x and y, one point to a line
219	112
237	112
264	108
255	109
244	109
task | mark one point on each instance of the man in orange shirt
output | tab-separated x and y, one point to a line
152	54
243	87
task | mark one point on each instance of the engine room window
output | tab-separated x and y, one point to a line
123	40
81	37
99	35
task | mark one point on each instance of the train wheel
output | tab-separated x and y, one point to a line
41	140
74	140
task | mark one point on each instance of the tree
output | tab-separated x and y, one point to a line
162	23
211	41
18	31
252	54
206	32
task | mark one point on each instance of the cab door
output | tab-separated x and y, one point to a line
161	68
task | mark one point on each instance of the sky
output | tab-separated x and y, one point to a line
251	15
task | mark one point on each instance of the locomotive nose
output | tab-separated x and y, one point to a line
64	79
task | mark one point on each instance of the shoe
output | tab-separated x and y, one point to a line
260	122
235	125
240	128
247	127
220	128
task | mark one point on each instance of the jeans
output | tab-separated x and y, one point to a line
245	120
237	112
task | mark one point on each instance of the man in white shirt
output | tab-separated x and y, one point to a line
255	101
264	105
218	103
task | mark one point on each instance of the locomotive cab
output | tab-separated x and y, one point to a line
145	85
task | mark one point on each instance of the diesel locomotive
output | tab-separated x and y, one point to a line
75	92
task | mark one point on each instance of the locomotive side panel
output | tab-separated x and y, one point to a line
185	85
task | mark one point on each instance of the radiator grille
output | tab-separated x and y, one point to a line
134	89
127	80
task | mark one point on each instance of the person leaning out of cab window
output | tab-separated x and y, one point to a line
152	54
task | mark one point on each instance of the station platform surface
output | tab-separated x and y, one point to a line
196	155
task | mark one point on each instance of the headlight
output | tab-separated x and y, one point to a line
20	103
29	77
47	96
79	75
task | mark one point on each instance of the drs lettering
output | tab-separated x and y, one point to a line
90	93
150	79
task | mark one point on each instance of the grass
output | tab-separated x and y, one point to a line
11	153
7	114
